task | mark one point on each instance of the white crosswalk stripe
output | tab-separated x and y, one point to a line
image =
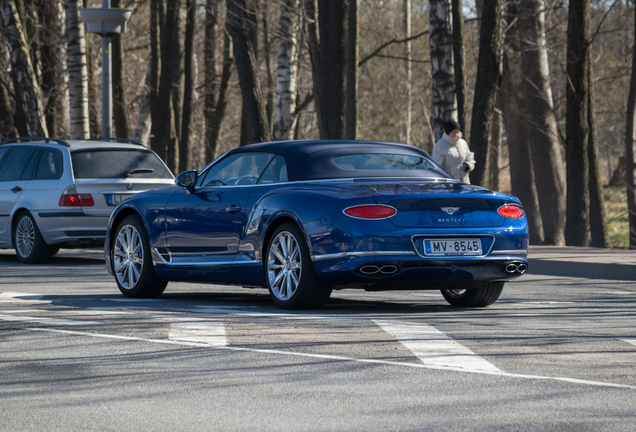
210	333
435	349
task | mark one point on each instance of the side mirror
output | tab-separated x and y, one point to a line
187	180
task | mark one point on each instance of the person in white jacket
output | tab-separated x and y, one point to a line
452	153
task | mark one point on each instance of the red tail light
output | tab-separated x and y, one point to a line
370	212
511	211
70	198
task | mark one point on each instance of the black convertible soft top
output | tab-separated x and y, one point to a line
313	159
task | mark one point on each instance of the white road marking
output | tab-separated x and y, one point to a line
630	341
331	357
14	297
210	333
51	321
434	348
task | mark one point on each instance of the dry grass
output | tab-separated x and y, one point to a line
616	214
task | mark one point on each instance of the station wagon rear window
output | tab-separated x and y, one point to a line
117	164
382	162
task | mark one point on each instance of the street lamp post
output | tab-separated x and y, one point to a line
106	22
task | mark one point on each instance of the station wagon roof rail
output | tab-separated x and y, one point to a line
36	139
119	140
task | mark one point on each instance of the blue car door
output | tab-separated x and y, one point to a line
204	227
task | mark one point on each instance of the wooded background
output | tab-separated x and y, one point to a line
545	90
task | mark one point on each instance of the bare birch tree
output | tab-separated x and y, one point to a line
287	69
442	65
630	149
77	70
27	89
542	130
351	104
409	71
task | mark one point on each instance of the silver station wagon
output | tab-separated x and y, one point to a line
60	194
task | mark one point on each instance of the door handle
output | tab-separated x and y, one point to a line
233	209
16	189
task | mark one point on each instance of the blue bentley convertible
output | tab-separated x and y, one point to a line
303	218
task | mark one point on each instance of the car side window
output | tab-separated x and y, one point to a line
50	165
237	169
15	163
3	152
275	172
29	170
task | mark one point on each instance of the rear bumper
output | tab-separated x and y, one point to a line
71	227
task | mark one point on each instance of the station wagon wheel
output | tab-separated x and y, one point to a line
132	262
484	295
290	275
27	240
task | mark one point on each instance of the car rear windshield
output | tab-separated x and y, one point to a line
118	164
382	162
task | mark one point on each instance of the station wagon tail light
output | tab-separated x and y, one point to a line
370	212
70	198
511	211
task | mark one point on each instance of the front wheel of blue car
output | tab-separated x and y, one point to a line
132	263
482	296
290	275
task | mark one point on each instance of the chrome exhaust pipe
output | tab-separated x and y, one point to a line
388	269
511	268
521	268
369	269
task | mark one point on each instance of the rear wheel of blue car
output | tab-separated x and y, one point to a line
132	262
290	275
482	296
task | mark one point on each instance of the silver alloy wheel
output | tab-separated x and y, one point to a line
456	292
284	265
128	256
25	237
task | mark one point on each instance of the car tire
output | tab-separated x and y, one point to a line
132	262
290	275
52	250
485	295
27	240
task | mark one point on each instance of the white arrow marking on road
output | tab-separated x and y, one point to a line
14	297
210	333
631	341
434	348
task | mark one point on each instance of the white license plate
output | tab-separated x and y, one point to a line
114	199
460	246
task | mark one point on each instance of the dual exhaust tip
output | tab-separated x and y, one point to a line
378	270
516	268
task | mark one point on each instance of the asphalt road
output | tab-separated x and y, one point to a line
554	353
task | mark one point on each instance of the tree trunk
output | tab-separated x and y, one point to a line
409	72
458	61
630	150
77	70
7	101
185	145
485	87
351	104
313	41
495	151
53	66
287	69
120	106
598	225
211	74
144	122
164	131
521	165
541	121
24	80
270	101
157	13
219	112
332	19
577	124
442	65
240	21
